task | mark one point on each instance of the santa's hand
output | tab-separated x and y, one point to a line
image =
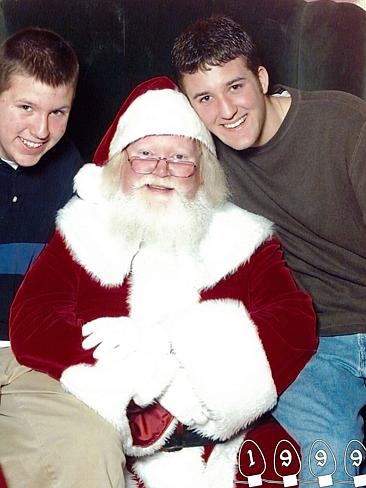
145	349
182	402
109	333
158	365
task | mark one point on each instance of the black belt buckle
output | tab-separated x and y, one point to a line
182	437
173	448
176	441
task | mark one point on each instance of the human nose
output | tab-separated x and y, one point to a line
40	128
227	108
161	168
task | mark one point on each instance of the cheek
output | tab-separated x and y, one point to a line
205	112
189	186
58	127
14	124
128	179
255	99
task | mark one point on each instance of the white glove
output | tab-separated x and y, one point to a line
145	349
182	402
109	333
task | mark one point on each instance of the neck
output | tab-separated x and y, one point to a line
276	111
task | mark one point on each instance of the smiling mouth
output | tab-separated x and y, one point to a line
236	124
158	187
30	144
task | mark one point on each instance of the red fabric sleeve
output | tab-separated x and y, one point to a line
45	332
282	313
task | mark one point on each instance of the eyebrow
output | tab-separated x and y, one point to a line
201	94
64	107
228	83
33	104
235	80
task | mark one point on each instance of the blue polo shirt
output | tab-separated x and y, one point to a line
29	200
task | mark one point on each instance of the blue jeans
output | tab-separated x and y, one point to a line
321	410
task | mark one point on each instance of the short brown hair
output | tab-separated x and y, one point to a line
39	53
212	41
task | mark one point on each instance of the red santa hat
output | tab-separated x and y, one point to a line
155	107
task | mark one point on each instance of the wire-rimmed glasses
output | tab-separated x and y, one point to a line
176	167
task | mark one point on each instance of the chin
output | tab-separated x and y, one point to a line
157	201
158	205
240	144
28	163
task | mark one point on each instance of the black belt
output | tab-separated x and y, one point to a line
182	437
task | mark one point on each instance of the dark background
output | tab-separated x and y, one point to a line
317	45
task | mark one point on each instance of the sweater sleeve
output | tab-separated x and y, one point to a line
45	331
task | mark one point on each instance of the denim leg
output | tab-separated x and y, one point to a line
321	410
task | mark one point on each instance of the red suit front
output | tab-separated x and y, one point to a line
223	332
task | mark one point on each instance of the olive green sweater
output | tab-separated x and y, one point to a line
310	180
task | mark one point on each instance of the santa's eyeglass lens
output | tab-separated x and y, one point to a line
176	167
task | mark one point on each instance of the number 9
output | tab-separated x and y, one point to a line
286	457
356	457
321	457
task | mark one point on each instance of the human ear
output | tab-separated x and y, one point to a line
263	79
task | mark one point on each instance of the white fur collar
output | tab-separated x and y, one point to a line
233	236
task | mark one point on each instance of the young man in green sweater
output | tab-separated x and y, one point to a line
297	158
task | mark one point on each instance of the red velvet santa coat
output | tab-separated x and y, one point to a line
239	328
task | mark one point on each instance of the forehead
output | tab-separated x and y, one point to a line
210	77
22	85
167	143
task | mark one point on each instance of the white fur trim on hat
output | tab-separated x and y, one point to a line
159	112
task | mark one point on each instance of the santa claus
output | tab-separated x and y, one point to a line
163	307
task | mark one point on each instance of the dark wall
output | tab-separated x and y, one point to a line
317	45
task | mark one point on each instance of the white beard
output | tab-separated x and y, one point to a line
178	226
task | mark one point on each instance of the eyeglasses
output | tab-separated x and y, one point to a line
176	167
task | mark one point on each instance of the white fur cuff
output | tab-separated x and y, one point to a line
218	345
100	390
